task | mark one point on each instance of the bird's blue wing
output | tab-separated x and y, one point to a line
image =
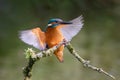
69	31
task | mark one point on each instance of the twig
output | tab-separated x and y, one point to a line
86	63
30	54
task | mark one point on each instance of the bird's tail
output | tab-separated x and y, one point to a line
59	53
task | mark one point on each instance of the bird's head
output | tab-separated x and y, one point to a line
55	22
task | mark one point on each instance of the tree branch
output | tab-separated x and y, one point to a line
86	63
32	57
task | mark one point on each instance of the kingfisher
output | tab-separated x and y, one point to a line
56	31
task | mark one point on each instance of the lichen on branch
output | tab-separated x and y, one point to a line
32	57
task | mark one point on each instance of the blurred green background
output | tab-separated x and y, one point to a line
98	41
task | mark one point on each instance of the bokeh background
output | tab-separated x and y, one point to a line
98	41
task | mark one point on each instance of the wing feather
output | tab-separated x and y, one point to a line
34	37
69	31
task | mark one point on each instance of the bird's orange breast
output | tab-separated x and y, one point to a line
53	36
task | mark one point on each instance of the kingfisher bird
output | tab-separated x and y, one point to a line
57	30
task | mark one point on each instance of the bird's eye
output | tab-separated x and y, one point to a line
56	21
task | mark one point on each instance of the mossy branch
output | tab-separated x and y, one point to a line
32	57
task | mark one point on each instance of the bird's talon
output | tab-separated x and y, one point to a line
65	42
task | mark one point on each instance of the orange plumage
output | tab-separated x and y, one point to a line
51	37
56	32
54	37
40	35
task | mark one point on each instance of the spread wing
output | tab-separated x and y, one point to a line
71	30
34	37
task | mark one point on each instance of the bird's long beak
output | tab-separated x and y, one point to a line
64	22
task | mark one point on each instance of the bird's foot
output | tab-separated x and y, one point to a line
65	42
